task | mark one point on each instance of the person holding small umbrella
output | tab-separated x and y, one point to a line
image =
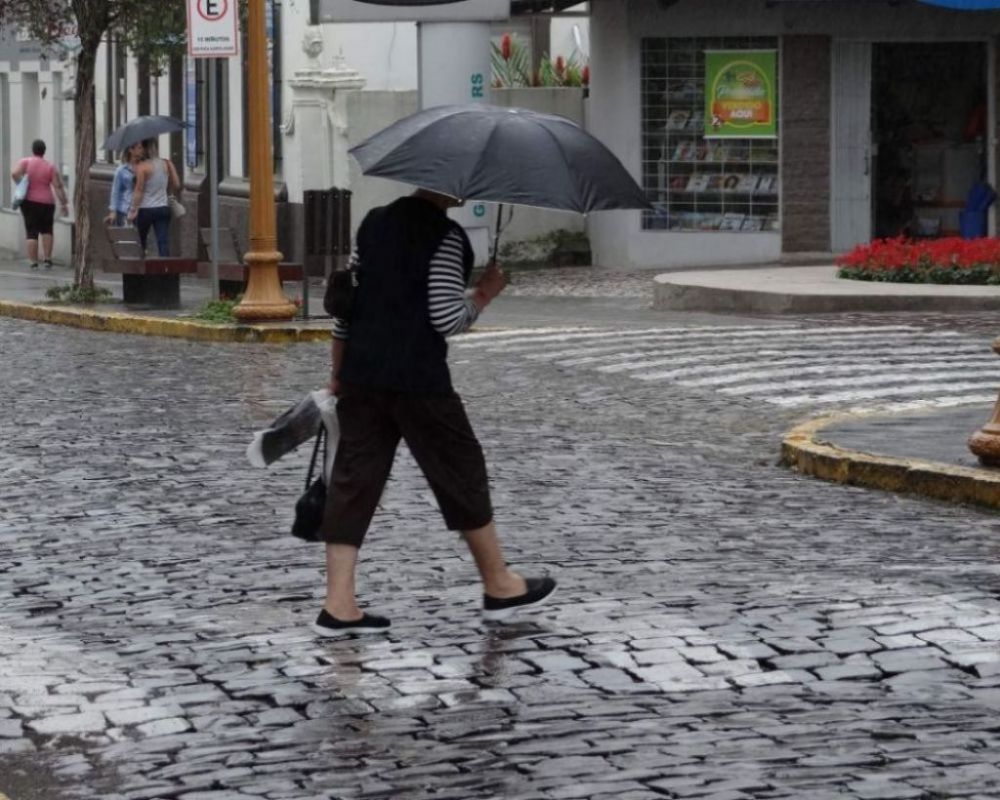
410	271
390	375
155	179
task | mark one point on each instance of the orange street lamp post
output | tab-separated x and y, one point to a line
264	298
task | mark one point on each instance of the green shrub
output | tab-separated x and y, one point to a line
78	295
218	312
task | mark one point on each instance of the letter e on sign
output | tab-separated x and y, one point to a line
212	10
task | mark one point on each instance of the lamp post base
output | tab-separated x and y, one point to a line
985	443
264	300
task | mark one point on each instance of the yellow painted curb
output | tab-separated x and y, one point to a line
803	450
117	322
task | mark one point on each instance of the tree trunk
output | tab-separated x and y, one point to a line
83	120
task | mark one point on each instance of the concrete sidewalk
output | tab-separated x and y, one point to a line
780	289
22	295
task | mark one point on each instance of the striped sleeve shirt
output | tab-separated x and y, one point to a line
451	311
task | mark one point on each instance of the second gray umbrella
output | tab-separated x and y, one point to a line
140	129
502	155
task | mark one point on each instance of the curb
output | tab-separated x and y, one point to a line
803	451
669	294
117	322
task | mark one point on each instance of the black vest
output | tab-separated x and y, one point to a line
392	344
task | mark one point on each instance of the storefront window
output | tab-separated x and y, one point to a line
702	182
930	120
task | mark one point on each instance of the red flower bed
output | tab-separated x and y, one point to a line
951	260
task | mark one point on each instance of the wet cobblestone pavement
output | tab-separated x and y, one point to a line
725	629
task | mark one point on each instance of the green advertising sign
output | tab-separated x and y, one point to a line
740	97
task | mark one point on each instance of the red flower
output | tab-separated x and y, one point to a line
506	46
560	65
585	76
889	255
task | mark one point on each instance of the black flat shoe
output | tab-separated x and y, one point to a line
328	625
496	609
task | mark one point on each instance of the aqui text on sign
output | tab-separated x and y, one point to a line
212	28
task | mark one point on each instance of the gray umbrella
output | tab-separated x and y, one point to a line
502	155
141	128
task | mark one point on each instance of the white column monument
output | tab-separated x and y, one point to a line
318	121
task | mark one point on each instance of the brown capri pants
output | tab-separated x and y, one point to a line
436	430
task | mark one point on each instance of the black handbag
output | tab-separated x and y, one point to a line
340	290
311	506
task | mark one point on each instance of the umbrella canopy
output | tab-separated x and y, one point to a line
501	155
966	5
141	128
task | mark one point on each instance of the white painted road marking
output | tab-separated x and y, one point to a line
788	364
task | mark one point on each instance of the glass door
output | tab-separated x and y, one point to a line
851	168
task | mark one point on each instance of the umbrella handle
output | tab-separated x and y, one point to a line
496	237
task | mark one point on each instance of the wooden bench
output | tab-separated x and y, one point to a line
233	273
148	281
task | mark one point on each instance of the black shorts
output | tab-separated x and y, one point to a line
38	218
438	434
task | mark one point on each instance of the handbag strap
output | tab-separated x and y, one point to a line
320	439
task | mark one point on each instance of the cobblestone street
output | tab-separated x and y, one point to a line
725	629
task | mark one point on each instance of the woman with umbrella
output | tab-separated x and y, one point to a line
412	265
155	179
391	378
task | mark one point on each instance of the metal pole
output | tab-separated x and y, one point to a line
305	287
264	298
213	176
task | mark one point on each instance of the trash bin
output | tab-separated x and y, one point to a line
972	224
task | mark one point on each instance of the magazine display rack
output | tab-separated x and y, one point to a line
697	183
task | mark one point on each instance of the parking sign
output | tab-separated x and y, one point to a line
212	28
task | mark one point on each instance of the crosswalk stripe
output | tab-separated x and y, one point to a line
639	372
524	337
895	391
725	362
583	355
928	404
880	365
508	333
868	380
692	333
672	343
787	364
655	358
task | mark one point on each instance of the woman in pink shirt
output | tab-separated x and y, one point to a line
39	207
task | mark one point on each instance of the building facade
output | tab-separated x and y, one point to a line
36	91
333	84
884	118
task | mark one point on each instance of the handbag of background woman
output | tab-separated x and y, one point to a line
20	193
